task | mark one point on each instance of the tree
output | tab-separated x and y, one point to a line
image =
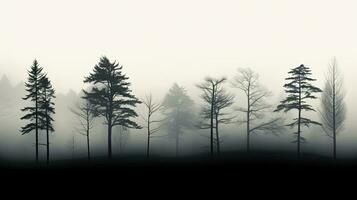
216	99
85	113
256	105
210	93
333	107
47	108
33	112
111	97
152	109
299	90
123	137
177	108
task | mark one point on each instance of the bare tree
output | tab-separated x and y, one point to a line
333	107
84	112
248	81
152	109
216	99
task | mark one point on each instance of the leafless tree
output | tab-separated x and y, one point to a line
216	99
333	107
256	105
151	124
85	114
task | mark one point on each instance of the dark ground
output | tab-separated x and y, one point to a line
272	169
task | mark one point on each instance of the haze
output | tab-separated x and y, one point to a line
161	42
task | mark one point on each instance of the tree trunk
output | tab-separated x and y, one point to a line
88	128
88	147
299	121
36	97
212	109
109	141
334	112
217	136
298	139
148	140
177	143
248	120
48	145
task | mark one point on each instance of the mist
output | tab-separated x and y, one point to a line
160	43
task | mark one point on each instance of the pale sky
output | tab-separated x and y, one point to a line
160	42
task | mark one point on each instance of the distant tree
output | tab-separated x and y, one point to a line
85	113
333	107
216	99
256	95
299	89
123	137
47	108
178	110
152	109
111	97
33	113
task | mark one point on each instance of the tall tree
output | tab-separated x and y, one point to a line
333	107
33	112
299	90
220	100
248	81
178	110
47	108
210	93
85	113
152	109
111	97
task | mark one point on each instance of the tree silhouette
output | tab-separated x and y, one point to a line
177	108
33	112
256	95
47	108
111	97
216	99
333	107
152	109
299	89
85	113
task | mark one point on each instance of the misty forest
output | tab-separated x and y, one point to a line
176	82
106	117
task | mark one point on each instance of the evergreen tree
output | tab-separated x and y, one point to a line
111	97
299	90
177	108
33	112
47	108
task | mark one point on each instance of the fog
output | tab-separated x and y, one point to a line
160	43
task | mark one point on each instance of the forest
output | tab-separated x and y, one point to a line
233	83
99	122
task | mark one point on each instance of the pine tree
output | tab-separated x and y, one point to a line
299	90
177	108
47	108
111	97
33	112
